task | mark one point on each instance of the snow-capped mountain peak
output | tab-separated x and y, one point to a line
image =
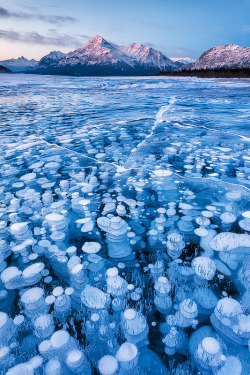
149	56
229	56
54	55
135	48
97	51
51	59
96	42
137	51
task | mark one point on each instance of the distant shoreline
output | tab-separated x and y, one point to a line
209	73
221	73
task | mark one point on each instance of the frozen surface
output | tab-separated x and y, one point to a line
124	226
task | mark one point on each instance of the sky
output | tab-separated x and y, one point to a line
178	28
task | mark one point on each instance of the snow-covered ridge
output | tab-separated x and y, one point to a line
230	56
19	64
148	56
52	58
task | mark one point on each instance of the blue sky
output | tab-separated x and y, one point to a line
178	28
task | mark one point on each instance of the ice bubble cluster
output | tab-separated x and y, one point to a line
115	261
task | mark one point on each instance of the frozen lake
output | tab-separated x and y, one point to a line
124	225
197	110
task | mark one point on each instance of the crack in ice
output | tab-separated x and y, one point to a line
118	167
121	169
157	122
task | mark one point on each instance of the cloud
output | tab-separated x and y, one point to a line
52	19
53	39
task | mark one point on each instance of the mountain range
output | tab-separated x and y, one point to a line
18	65
99	57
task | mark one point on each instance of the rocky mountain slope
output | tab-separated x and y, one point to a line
3	69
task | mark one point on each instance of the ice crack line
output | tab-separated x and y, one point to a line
158	121
212	179
118	167
122	169
220	131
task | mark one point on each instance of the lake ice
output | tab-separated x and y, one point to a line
124	225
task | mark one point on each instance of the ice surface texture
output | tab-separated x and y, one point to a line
124	226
